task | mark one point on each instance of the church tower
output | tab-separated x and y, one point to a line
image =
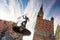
44	29
40	13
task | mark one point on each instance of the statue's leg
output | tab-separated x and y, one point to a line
23	24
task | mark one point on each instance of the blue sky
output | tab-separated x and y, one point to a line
10	10
55	7
7	1
25	2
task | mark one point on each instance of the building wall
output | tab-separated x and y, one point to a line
58	33
44	29
6	25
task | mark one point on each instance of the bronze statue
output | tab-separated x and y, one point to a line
23	24
22	29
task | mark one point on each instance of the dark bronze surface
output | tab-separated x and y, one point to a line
21	30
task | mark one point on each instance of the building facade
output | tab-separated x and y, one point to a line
44	29
8	33
58	33
6	29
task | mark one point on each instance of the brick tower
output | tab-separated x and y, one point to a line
44	29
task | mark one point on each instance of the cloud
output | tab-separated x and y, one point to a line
3	10
10	12
47	7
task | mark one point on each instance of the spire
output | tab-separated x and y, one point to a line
41	9
40	13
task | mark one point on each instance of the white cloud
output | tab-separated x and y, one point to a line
47	6
9	12
3	11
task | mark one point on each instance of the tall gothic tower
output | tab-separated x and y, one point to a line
40	13
44	29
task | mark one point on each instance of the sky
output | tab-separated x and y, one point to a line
10	10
